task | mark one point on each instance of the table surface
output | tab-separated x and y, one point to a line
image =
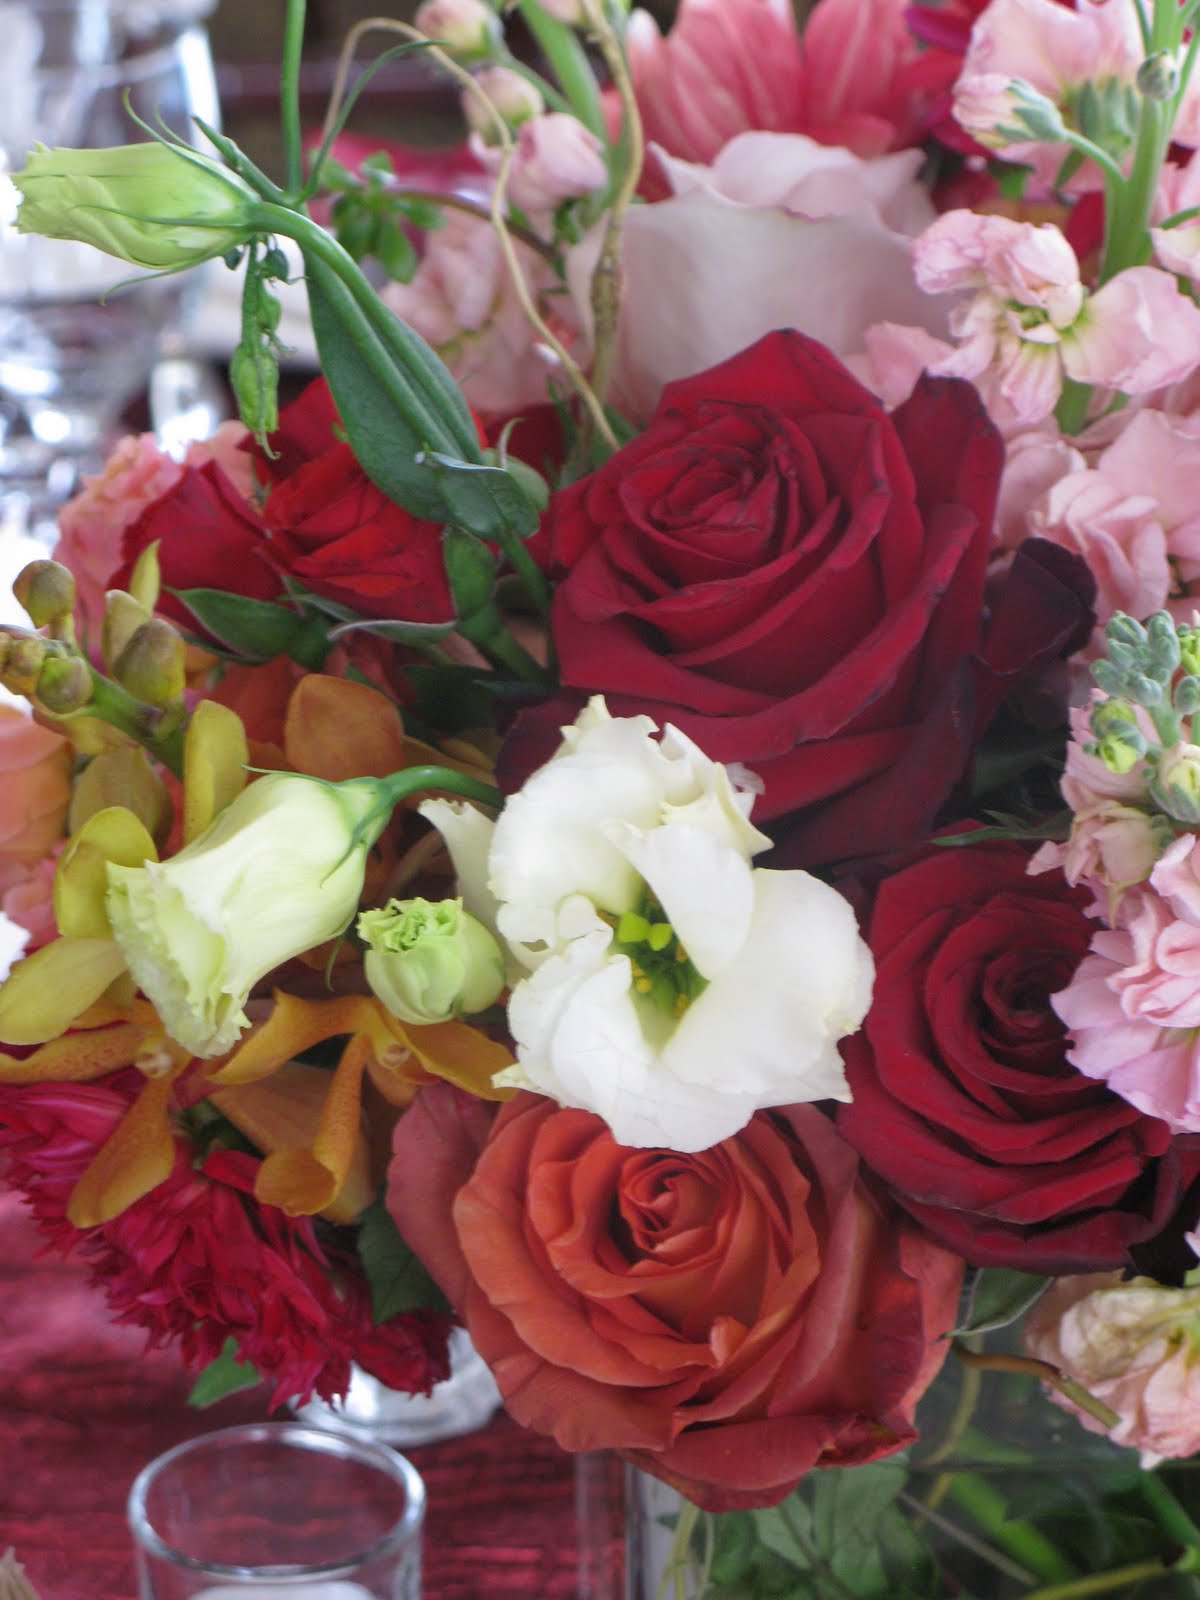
83	1406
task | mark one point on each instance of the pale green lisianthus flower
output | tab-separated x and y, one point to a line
430	961
278	872
150	204
668	985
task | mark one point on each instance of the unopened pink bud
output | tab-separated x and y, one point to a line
514	97
556	159
468	29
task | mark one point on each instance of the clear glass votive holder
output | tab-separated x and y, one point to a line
278	1511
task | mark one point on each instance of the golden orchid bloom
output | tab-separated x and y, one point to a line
307	1175
48	991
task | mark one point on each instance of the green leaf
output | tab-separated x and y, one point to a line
395	397
998	1296
225	1375
848	1504
484	500
257	630
398	1280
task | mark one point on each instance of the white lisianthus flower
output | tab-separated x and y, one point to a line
663	982
278	871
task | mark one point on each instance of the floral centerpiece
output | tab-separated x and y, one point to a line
653	810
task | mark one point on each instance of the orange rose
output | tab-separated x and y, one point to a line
35	788
728	1319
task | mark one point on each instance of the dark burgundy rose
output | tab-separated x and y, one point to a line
964	1102
794	578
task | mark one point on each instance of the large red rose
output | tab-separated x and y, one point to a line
729	1320
964	1101
795	579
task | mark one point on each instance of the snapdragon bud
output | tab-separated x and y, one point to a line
46	590
514	97
149	204
468	30
429	962
152	665
64	684
23	661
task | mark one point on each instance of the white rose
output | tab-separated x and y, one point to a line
669	986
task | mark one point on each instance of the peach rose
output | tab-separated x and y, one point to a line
728	1320
35	788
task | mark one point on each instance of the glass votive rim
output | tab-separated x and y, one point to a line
343	1446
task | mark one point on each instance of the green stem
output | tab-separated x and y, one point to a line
398	786
1101	1582
158	731
923	1512
1014	1535
487	632
568	61
526	568
1172	1517
289	95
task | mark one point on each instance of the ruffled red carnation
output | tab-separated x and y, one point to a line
199	1261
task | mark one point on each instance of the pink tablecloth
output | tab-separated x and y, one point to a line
82	1408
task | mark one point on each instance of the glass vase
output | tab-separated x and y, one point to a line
1005	1497
463	1402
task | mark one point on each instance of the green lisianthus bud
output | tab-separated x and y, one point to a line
430	961
150	204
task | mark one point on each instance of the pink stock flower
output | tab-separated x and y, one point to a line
462	301
1133	1344
1031	322
1053	49
27	900
1133	516
736	66
92	526
555	159
1115	841
198	1261
1133	1006
780	232
1178	248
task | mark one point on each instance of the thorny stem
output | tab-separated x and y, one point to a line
1045	1373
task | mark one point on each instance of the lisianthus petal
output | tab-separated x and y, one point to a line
705	887
215	756
81	881
769	1025
468	837
44	994
136	1157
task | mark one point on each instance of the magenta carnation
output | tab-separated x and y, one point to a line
199	1261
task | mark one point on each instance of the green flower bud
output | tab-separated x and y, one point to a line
47	592
1189	649
64	685
468	30
1163	644
1124	629
151	666
1158	75
150	204
23	662
254	379
1116	755
1176	783
1186	696
428	962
